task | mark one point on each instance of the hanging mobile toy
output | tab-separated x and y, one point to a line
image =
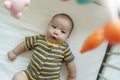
64	0
84	1
93	41
16	6
112	31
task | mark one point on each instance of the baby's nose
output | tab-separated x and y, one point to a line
56	32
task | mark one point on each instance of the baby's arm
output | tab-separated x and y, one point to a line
71	70
16	51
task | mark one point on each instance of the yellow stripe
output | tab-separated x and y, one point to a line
48	43
56	79
55	59
33	74
24	75
42	50
68	58
28	45
50	72
34	68
44	46
30	76
52	49
25	44
63	47
31	41
38	59
57	55
53	63
58	50
40	55
35	63
34	38
67	53
47	76
50	68
66	49
52	44
39	35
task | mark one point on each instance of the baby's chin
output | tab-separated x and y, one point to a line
52	40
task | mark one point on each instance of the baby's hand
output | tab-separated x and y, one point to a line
11	55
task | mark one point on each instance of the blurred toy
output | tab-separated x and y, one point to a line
93	40
64	0
16	6
112	31
84	1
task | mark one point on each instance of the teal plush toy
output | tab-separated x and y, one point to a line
84	1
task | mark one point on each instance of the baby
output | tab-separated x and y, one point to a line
49	52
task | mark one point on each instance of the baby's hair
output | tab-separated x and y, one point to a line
67	16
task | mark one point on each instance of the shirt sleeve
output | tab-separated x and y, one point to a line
68	56
30	41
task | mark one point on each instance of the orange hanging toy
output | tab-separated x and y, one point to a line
93	40
112	32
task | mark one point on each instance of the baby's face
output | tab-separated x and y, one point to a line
58	30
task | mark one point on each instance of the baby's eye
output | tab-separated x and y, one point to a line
53	26
63	32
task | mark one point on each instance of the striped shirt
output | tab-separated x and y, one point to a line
47	58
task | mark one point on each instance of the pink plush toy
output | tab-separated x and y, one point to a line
16	6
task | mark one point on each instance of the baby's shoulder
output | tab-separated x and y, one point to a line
40	36
65	45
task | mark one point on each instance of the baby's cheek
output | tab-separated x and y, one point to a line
62	39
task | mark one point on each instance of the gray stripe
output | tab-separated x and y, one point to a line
41	52
26	41
38	68
52	66
37	61
47	75
41	58
30	72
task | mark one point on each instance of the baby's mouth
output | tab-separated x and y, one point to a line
54	38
